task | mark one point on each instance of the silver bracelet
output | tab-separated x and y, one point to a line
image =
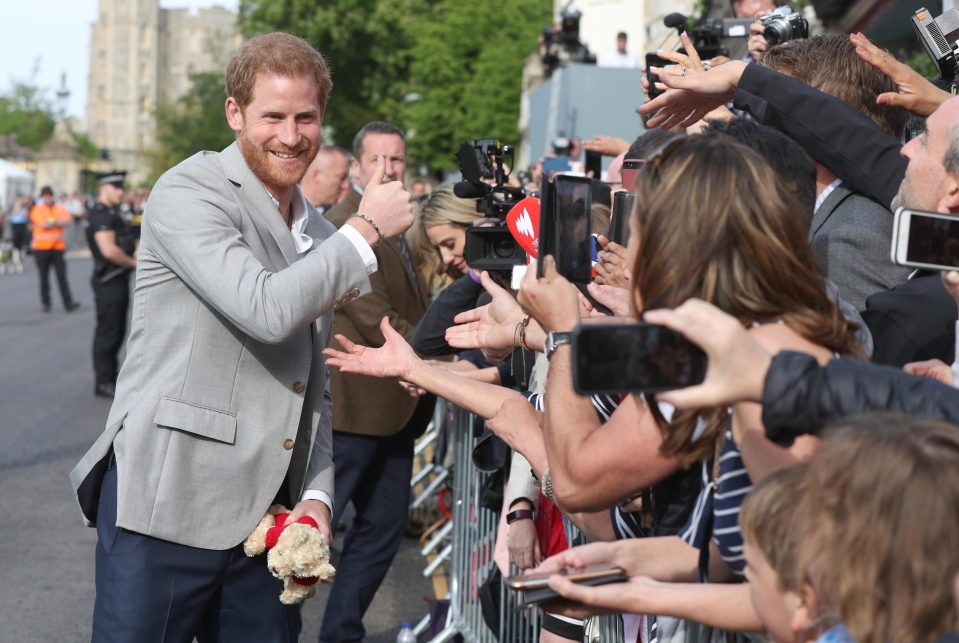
547	484
372	223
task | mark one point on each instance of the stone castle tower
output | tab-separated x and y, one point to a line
142	56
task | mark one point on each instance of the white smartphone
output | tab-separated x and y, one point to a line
925	240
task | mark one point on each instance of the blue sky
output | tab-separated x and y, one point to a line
56	34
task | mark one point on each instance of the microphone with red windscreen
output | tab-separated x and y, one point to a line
523	224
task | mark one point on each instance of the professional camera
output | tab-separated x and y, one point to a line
939	38
561	43
484	172
707	36
783	24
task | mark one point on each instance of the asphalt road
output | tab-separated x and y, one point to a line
48	418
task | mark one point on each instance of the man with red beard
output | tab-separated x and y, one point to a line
222	405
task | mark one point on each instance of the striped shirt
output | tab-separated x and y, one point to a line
716	513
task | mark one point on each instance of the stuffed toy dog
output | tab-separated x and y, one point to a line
299	554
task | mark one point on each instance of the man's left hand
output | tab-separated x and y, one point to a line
318	511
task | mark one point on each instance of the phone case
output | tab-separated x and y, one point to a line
536	596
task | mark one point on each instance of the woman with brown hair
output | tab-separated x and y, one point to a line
710	224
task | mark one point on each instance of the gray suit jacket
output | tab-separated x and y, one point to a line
223	393
851	236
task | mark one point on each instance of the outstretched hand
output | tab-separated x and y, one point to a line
737	363
916	94
492	327
394	359
692	97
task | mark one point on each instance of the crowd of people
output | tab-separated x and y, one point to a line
296	312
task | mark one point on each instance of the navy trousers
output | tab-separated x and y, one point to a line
373	472
154	590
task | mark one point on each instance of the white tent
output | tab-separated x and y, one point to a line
13	181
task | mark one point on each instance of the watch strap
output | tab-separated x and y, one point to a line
518	514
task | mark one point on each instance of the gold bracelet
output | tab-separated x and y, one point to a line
372	223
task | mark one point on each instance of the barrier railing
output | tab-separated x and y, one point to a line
465	545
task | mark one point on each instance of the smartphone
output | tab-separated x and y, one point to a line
594	164
557	164
630	171
535	589
619	221
565	228
654	60
925	240
634	358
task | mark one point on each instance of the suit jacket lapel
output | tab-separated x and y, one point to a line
257	200
822	214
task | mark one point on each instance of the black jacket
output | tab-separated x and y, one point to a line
839	136
801	397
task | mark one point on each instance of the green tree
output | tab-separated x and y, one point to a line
366	42
467	73
26	116
193	123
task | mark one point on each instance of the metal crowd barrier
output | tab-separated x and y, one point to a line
465	545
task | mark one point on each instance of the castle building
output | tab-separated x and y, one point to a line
142	56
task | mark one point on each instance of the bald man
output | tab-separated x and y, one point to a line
327	180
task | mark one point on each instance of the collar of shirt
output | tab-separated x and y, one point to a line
357	188
826	191
301	241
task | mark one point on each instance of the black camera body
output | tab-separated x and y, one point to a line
783	24
939	38
707	35
482	163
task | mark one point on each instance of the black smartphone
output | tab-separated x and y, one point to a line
534	588
654	60
927	240
565	229
633	358
594	164
619	221
630	171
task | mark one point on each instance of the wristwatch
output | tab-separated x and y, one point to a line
556	339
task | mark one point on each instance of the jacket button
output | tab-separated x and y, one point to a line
288	444
298	387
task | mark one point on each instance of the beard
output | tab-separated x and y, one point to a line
261	162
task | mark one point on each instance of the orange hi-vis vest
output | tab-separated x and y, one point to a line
49	238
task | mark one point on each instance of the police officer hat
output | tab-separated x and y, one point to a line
115	178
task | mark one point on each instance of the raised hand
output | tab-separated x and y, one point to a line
614	298
552	301
387	204
916	94
737	362
757	42
606	145
394	359
693	96
492	327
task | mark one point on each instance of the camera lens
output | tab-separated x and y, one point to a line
504	248
777	32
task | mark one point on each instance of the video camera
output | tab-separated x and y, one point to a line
939	38
783	24
707	36
484	178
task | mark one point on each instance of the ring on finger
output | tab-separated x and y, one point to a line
683	72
